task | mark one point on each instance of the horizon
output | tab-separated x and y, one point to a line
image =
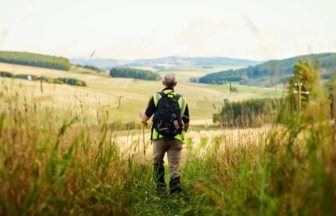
255	31
176	56
228	57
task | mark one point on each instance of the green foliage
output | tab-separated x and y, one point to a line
32	59
50	80
134	73
71	81
248	113
6	74
272	72
306	75
26	77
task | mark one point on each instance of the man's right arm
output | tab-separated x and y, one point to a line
145	116
150	108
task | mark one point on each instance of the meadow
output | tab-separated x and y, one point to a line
126	97
60	154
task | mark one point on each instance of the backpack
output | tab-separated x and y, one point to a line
167	118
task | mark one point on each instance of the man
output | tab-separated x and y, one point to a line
170	122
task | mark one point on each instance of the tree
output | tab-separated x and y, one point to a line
304	84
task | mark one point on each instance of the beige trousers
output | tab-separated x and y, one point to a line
173	148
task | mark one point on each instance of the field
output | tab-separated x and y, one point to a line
61	154
126	97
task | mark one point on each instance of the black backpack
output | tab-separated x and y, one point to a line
167	118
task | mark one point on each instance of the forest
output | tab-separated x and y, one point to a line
37	60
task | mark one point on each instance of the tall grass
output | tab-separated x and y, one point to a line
57	162
292	173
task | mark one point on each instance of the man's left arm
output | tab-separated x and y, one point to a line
186	118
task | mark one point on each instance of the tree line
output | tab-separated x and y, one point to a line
134	73
37	60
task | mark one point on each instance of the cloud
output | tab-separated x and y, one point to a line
3	36
150	28
199	35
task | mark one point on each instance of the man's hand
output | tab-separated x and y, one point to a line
144	124
143	116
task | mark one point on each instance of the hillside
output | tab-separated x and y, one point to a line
168	63
33	59
122	96
272	72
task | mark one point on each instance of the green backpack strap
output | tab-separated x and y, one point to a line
182	103
156	97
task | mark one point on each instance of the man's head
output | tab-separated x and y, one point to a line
169	81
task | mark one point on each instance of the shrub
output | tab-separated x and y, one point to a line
71	81
26	77
6	74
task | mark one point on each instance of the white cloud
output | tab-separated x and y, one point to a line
256	29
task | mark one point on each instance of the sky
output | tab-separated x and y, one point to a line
130	29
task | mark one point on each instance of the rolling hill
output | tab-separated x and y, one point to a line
106	64
272	72
124	97
168	63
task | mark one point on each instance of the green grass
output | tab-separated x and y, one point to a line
56	161
248	92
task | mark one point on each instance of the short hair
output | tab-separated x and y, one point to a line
169	80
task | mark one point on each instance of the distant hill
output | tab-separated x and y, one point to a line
106	64
33	59
165	63
272	72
